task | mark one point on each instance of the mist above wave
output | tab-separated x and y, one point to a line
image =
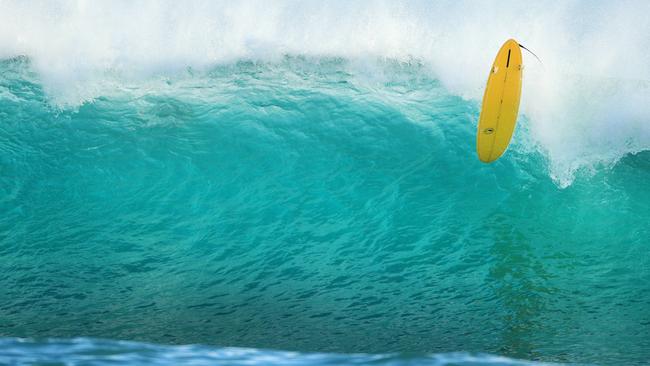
587	105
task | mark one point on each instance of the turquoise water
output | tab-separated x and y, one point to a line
295	206
296	183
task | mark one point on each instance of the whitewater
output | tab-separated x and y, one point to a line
587	105
293	182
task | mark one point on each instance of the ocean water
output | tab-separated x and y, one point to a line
80	351
296	183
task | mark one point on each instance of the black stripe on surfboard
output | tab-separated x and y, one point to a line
508	61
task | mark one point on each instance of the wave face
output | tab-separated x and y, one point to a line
225	174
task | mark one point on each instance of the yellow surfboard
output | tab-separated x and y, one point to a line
500	103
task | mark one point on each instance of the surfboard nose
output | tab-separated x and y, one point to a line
500	107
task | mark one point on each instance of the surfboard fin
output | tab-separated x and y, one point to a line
531	52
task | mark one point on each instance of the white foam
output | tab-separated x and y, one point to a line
588	106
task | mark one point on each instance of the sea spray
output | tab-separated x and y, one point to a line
302	176
587	106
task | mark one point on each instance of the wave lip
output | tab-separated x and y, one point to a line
586	108
89	351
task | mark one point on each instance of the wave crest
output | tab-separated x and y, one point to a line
586	107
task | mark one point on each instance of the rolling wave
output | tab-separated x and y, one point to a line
301	176
586	105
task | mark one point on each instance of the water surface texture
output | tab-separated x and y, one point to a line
317	200
82	351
